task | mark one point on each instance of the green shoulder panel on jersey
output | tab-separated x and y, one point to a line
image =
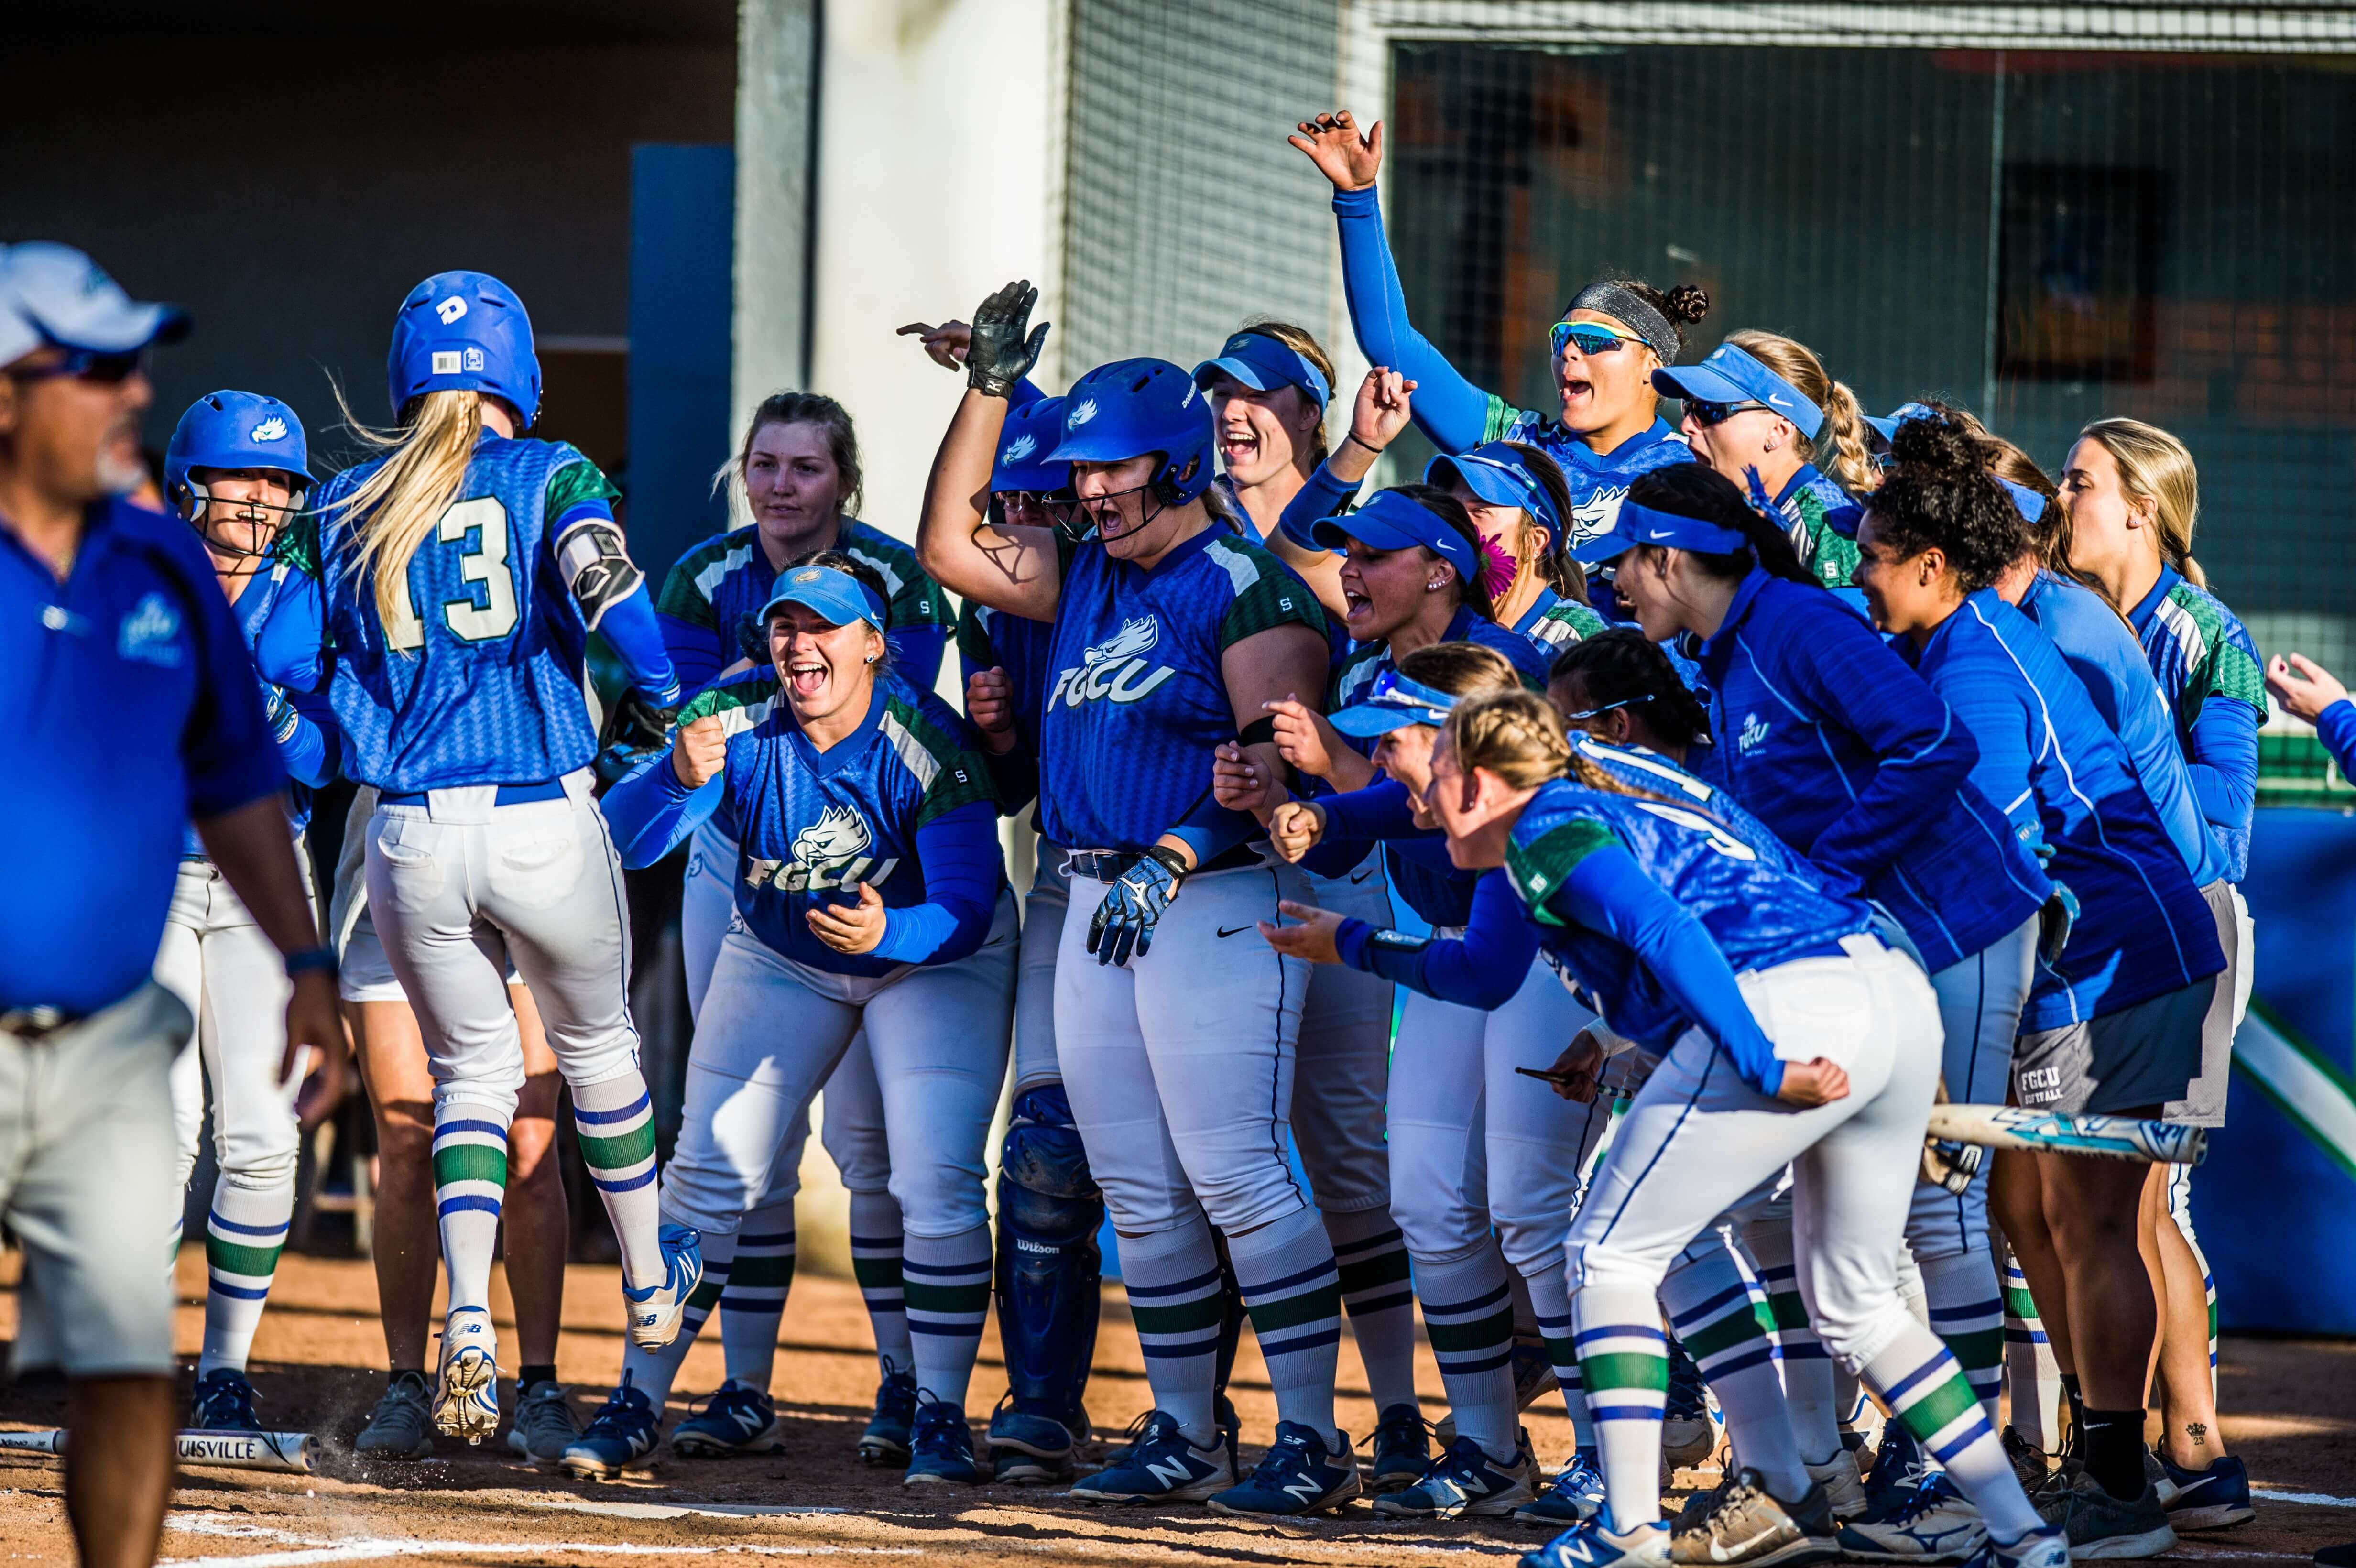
1824	550
1501	415
575	480
973	642
298	544
1353	676
687	592
1540	871
2219	669
741	702
951	776
1267	594
1568	621
912	598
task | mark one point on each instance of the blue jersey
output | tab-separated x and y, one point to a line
711	603
2109	663
481	683
1137	702
280	613
1759	902
811	825
1641	768
995	639
1822	519
2209	669
2066	785
1833	742
1554	623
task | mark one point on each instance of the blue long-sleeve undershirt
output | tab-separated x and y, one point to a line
1381	813
1449	409
652	812
2336	728
1325	494
1609	892
313	752
2223	765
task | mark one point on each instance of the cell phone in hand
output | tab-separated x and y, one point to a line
1549	1075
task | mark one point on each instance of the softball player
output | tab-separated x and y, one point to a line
2132	943
1762	405
869	894
1269	389
1176	1041
797	471
237	470
1608	429
1829	739
465	569
1652	908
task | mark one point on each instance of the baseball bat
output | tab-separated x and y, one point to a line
296	1452
2105	1137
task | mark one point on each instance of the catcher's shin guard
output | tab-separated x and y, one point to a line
1049	1267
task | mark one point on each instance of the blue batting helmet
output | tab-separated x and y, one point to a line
1132	407
1031	432
232	429
463	332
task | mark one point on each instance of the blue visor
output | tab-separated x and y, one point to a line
1886	426
1638	525
1393	521
837	595
1263	364
1731	376
2031	505
1498	474
1395	703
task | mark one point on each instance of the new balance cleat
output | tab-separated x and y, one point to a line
1297	1475
401	1424
655	1312
224	1402
1843	1488
892	1425
2215	1499
941	1449
1751	1526
1897	1471
620	1435
1598	1543
544	1425
1402	1448
1465	1482
1162	1466
1932	1523
1028	1450
467	1391
2031	1465
2101	1526
2046	1548
1577	1494
737	1419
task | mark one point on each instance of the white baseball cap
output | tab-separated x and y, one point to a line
52	294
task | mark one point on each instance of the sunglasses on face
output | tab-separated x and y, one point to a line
1712	414
1599	712
1589	337
88	364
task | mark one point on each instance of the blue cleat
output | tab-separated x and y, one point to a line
941	1449
2215	1499
617	1438
1577	1495
892	1427
655	1312
1931	1523
737	1419
224	1402
1462	1482
1596	1543
1031	1450
1160	1466
1402	1450
1297	1476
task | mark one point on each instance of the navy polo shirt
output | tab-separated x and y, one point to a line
128	705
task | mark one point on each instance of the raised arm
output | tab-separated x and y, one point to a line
1456	414
1011	568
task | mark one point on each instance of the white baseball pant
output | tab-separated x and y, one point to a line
233	982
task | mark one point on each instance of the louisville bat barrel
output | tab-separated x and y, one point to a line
2104	1137
296	1452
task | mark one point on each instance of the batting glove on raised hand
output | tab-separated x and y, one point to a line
1005	344
1124	921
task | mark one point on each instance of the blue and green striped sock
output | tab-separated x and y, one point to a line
1919	1379
1177	1302
875	1247
1468	1315
948	1281
245	1232
1624	1358
760	1272
470	1179
1293	1293
615	1121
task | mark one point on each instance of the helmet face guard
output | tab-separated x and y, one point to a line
463	332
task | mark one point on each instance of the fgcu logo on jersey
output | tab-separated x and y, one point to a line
1114	669
1752	735
829	853
1596	515
150	633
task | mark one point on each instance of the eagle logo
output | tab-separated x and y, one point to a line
835	839
1019	448
271	429
1082	414
1133	638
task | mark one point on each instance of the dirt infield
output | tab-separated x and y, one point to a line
315	1369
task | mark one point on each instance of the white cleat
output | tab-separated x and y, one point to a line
466	1394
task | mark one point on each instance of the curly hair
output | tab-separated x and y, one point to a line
1621	664
1940	496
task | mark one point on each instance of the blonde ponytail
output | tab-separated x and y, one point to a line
1840	449
390	512
1520	737
2157	469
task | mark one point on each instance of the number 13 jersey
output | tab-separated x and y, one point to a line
480	679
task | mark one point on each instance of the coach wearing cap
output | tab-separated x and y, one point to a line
128	707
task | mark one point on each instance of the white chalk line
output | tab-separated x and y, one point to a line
2318	1499
315	1550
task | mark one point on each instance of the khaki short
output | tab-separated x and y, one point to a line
86	1162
